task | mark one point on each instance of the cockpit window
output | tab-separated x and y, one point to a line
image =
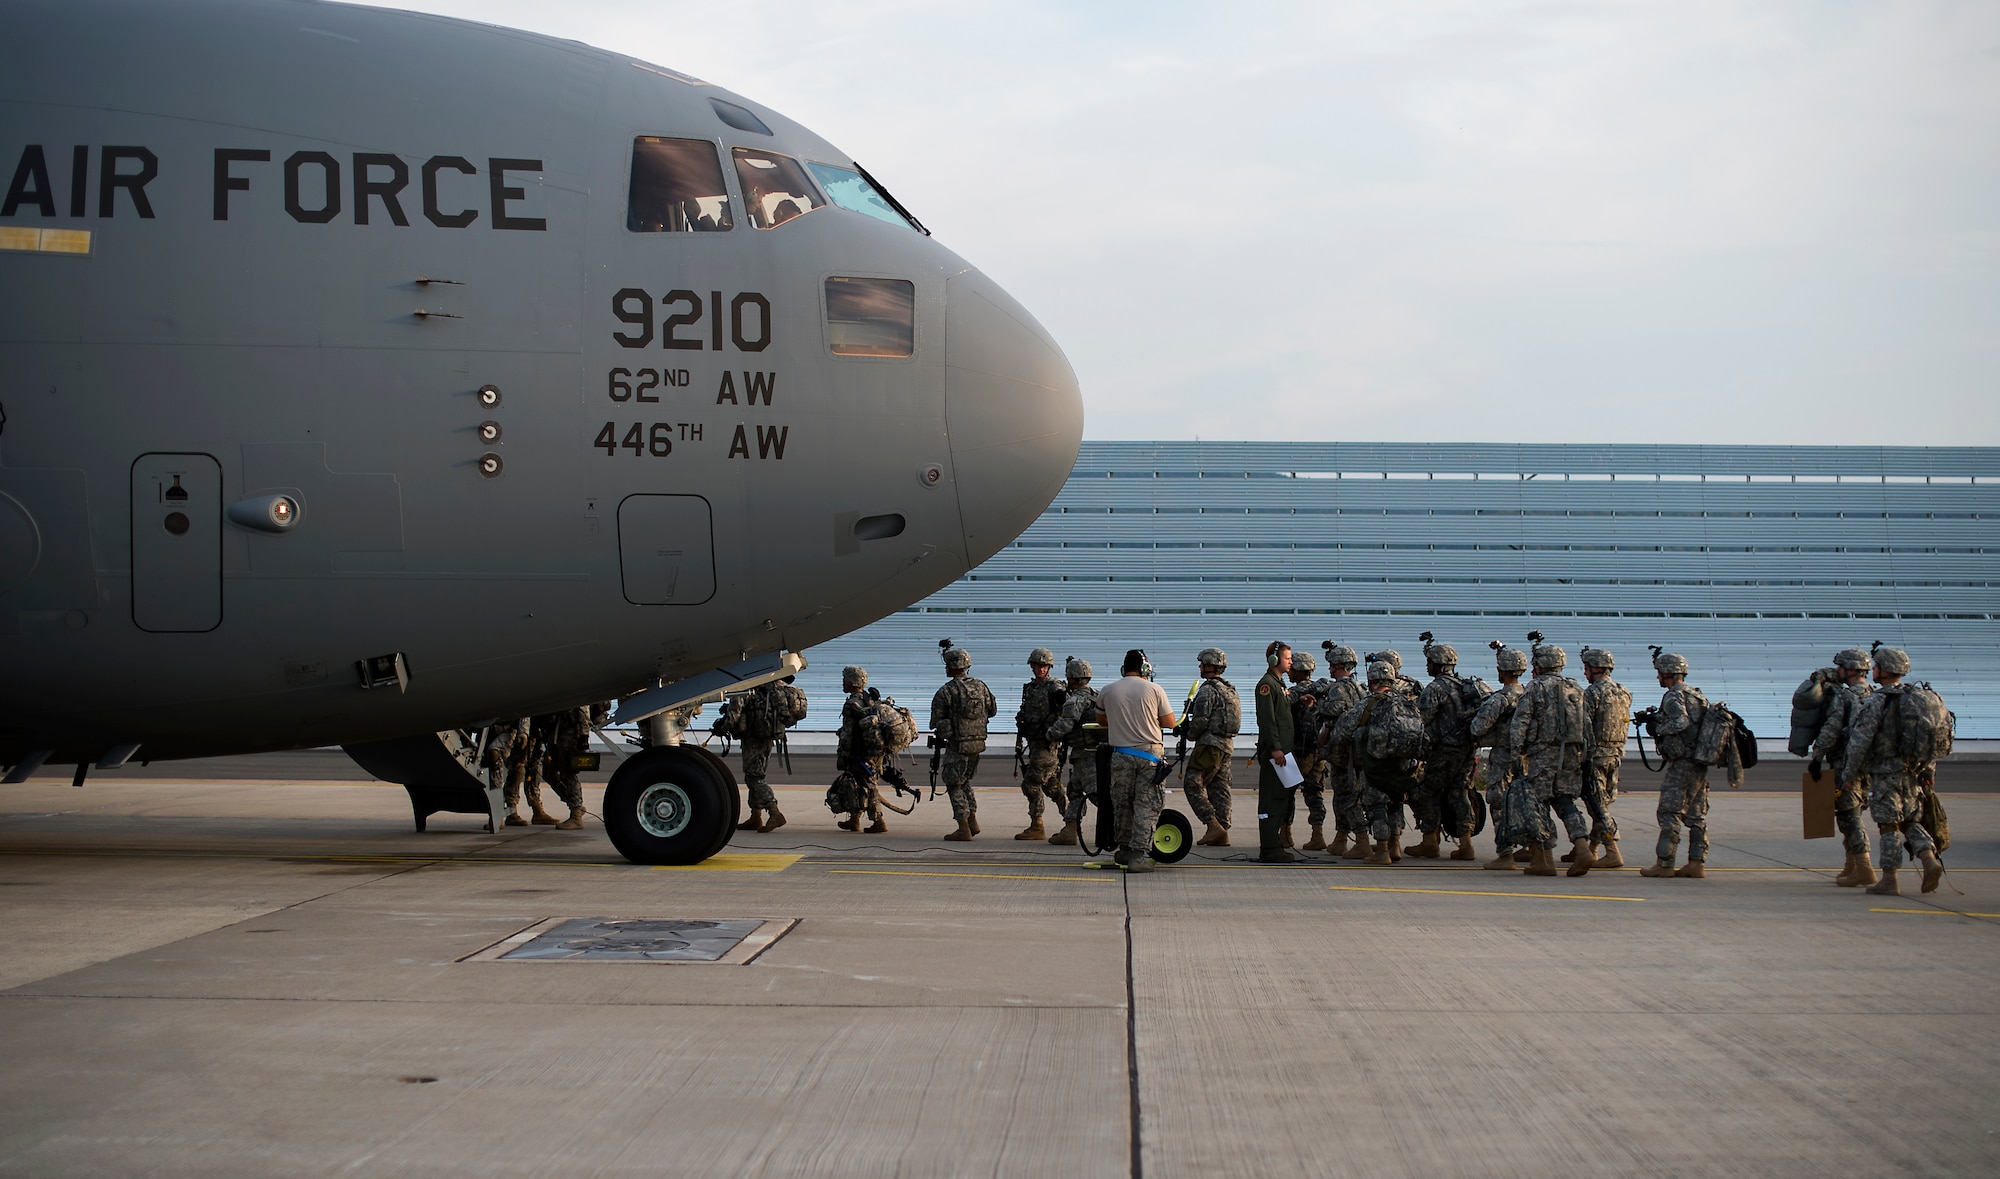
676	187
775	188
850	190
871	316
738	117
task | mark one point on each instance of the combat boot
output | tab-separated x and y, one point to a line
1277	855
1933	869
1664	866
1360	848
773	819
1886	887
1380	852
1221	838
753	823
1502	862
1692	870
1846	877
964	833
1318	841
1395	847
1209	836
514	819
1033	831
1066	837
1465	851
972	821
574	822
1542	862
1580	859
1427	848
1610	857
1142	864
543	818
878	827
1285	836
1523	855
1338	847
850	823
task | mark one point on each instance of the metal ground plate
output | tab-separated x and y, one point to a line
720	942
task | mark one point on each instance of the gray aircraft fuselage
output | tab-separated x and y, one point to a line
315	234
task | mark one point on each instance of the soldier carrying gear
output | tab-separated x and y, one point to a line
1307	692
858	759
1841	702
761	717
1384	740
1898	734
1550	730
1212	719
1608	707
569	735
1075	730
1447	703
1036	756
1674	725
1492	725
1394	659
959	712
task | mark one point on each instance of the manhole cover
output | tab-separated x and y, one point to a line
727	941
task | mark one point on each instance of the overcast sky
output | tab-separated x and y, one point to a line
1695	221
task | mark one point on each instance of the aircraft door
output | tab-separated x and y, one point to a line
666	549
176	542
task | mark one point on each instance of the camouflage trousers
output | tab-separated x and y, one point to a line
1849	801
1318	781
1893	798
1041	776
1383	796
1350	812
955	772
523	770
1205	780
868	796
1447	792
1135	803
1082	782
756	764
1600	790
1554	781
1683	802
1499	776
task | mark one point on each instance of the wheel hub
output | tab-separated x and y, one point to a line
665	809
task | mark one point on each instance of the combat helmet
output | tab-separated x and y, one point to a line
957	659
1667	663
1076	669
1214	656
1507	658
1303	662
1041	657
1337	654
1598	657
1854	659
1393	658
1381	671
853	678
1890	660
1438	654
1548	656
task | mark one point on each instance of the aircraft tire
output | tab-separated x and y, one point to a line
669	805
721	766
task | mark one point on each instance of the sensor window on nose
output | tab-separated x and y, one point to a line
871	316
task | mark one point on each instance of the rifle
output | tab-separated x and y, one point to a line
937	751
894	777
785	749
1640	720
1180	732
1020	747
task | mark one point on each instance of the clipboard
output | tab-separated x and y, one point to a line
1817	804
1288	774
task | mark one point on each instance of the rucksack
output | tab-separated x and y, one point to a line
1810	704
1723	739
731	721
788	705
1615	718
1391	731
892	726
1924	727
1454	726
846	795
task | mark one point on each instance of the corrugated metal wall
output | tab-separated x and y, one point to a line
1756	562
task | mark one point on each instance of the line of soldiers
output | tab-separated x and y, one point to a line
520	753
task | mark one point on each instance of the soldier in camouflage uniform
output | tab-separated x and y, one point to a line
1449	766
1213	719
1674	726
505	760
1343	692
1041	701
1416	798
569	735
1493	726
758	729
959	713
1829	747
1609	707
1306	694
1895	777
1552	732
855	761
1384	787
1075	729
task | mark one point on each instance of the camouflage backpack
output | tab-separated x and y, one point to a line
788	705
1390	732
1723	739
1811	701
1924	726
888	728
1614	718
846	795
1454	720
730	723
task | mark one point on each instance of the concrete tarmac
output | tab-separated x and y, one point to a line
242	978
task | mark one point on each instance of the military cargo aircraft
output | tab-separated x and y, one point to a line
367	376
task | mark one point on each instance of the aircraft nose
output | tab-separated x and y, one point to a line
1013	410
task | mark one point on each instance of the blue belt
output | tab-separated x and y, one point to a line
1140	753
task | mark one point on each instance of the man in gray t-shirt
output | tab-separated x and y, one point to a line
1134	711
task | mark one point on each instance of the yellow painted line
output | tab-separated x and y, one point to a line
1481	892
1935	912
738	862
980	875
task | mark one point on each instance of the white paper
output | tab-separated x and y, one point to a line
1288	774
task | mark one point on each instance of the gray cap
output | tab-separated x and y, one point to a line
1041	657
1892	661
1598	657
1668	663
856	677
1854	659
1510	659
1303	662
957	657
1441	655
1392	658
1549	657
1380	671
1337	655
1213	656
1076	669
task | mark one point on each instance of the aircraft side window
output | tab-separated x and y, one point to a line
677	187
871	316
775	188
851	190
